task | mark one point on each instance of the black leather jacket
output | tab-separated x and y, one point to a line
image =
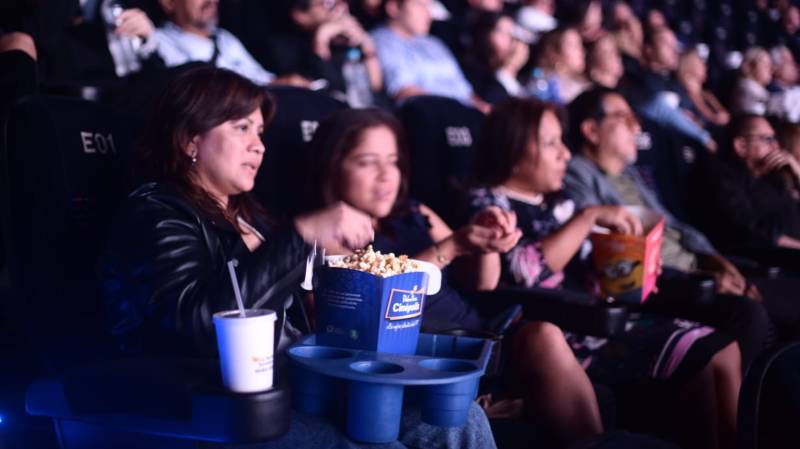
165	272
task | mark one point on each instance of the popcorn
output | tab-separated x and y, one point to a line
374	262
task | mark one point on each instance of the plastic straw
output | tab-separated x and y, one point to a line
307	283
235	282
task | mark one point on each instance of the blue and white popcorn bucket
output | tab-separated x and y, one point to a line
359	310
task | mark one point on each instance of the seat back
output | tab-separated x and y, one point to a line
442	134
667	163
68	161
769	402
298	113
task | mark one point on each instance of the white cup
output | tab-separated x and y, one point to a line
246	349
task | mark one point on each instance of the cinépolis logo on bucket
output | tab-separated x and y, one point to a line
405	304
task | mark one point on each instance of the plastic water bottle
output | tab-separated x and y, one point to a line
123	49
111	10
538	86
543	87
356	80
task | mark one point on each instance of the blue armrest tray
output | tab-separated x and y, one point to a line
445	368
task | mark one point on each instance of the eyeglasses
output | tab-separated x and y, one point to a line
627	116
327	4
765	139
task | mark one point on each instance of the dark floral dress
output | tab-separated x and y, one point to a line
653	347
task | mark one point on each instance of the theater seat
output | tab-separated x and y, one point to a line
298	113
442	134
769	402
68	164
67	172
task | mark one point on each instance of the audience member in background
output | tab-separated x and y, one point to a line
192	34
655	19
604	62
751	95
785	73
587	18
627	31
413	61
323	38
656	96
537	16
497	55
691	74
756	190
165	271
520	164
790	25
561	63
753	209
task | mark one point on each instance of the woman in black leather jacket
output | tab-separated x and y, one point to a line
165	273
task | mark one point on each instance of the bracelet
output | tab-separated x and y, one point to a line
439	257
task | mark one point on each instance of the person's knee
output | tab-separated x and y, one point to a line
541	334
18	41
542	341
727	360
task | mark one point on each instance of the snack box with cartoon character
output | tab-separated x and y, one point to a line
627	265
377	312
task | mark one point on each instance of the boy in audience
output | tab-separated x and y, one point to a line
413	61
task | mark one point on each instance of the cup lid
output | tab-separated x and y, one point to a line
248	314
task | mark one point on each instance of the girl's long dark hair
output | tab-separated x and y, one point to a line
195	101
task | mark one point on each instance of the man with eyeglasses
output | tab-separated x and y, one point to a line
602	133
754	191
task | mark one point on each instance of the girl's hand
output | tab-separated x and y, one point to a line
497	218
473	238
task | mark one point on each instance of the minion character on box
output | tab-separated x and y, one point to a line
622	279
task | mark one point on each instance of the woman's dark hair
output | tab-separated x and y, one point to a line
512	125
482	52
196	100
334	139
588	105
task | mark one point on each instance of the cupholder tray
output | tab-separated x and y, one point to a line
445	368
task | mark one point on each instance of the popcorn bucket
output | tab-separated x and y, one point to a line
359	310
627	265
